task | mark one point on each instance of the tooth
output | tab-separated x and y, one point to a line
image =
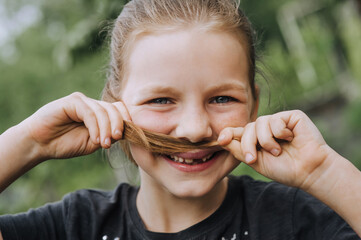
180	159
204	159
189	160
175	158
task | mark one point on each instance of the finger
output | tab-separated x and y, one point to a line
91	123
103	122
228	134
78	111
265	136
235	148
115	119
249	143
279	128
123	110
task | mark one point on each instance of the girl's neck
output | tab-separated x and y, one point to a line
161	211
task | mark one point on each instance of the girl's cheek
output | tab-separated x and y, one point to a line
160	122
236	118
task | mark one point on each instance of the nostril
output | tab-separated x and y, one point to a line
194	133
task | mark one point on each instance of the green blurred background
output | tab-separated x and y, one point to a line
311	54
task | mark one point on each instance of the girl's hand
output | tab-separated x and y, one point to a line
74	125
297	158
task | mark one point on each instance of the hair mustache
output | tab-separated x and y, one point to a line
161	143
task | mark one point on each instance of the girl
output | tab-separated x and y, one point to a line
185	69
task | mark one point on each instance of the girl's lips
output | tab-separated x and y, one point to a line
198	167
197	154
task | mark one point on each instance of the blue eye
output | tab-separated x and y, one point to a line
160	101
223	99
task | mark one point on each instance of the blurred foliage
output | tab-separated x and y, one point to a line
66	51
56	56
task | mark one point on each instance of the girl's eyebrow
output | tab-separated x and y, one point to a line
228	86
159	90
236	85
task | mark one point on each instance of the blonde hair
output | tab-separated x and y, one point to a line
150	16
160	143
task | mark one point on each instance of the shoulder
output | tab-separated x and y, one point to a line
96	210
276	209
103	195
312	219
260	190
267	202
82	214
97	200
268	207
260	193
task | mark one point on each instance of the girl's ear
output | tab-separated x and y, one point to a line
255	106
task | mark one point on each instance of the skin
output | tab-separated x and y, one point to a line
176	79
194	69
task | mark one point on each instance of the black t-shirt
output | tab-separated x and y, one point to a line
251	210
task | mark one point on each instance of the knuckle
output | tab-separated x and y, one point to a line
77	95
298	112
106	106
238	131
267	145
249	126
274	118
110	105
262	119
118	104
279	134
101	110
90	114
227	130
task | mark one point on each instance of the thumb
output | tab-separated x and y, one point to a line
230	139
228	134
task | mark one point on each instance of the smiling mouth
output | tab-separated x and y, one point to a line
188	161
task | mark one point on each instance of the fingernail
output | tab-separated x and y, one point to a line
275	152
117	133
98	140
107	142
221	137
249	158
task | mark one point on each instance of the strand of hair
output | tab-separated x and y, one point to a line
160	143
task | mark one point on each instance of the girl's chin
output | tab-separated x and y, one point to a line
196	188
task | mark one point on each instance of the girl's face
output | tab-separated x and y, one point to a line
188	84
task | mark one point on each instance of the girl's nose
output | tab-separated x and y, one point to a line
194	125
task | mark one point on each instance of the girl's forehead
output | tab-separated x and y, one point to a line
186	38
187	55
187	51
